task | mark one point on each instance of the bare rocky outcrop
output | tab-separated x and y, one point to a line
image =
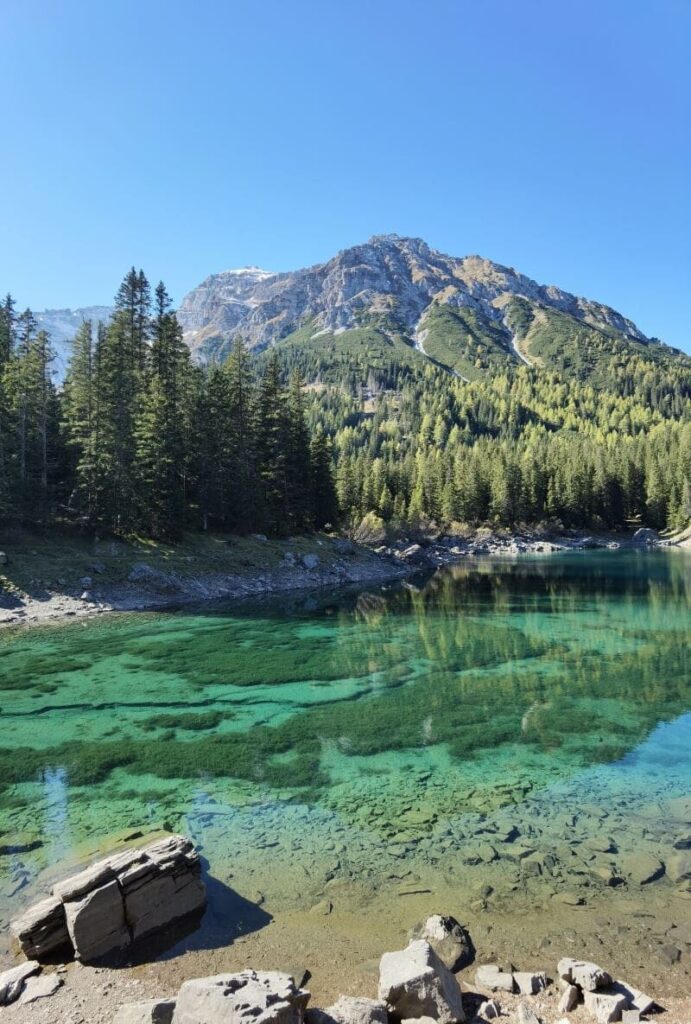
115	902
388	275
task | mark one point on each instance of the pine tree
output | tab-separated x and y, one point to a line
271	436
242	440
159	428
80	421
299	484
324	499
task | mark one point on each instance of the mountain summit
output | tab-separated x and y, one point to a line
466	313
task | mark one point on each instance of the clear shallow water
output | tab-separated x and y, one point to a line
480	730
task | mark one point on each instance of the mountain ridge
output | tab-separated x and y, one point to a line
396	297
467	313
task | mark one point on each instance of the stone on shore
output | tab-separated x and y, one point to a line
12	981
96	922
636	1000
525	1015
449	939
645	537
413	982
569	999
40	987
529	984
116	901
152	1011
163	886
42	929
350	1010
491	977
258	997
586	975
604	1007
489	1009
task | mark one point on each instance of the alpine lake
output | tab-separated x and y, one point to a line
507	741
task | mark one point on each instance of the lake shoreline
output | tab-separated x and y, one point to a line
292	565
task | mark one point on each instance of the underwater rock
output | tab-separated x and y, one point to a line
413	982
679	866
116	901
152	1011
310	561
260	997
12	981
449	940
641	868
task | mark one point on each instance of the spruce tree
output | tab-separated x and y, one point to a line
271	437
324	498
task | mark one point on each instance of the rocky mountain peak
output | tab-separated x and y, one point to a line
389	276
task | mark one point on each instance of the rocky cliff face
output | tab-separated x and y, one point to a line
62	325
389	279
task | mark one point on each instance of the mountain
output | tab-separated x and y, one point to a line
62	325
467	314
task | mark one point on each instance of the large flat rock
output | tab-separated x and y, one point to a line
115	901
257	997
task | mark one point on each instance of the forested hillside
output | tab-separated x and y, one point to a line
321	430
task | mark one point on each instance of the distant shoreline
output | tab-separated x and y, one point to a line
114	576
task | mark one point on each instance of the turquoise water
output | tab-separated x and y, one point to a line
484	722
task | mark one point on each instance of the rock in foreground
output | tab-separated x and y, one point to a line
449	939
258	997
115	902
414	982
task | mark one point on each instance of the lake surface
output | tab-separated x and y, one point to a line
505	731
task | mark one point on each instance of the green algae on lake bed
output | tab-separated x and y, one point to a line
446	732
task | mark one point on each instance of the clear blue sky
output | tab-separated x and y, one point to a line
194	137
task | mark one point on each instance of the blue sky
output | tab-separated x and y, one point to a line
194	137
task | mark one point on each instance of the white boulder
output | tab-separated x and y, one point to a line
12	981
586	975
350	1010
413	982
257	997
447	937
529	983
490	976
605	1007
569	999
151	1011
